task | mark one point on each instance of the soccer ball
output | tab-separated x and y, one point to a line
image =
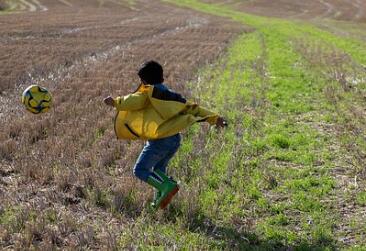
37	99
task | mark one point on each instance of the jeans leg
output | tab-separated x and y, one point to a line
145	162
156	154
163	163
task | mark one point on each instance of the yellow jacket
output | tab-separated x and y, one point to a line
153	113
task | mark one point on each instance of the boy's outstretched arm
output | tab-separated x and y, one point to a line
211	117
134	101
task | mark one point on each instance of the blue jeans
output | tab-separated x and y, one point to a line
156	155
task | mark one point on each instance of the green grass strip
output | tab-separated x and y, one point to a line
257	144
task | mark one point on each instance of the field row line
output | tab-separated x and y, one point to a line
62	32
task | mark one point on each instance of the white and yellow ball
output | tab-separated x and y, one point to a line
37	99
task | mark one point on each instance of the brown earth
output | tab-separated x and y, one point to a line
83	51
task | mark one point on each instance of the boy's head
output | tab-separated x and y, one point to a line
151	72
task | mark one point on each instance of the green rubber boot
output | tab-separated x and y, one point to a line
163	176
167	188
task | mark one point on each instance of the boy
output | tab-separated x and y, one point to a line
156	114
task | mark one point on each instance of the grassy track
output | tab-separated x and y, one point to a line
271	180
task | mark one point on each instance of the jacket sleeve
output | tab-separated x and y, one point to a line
206	115
134	101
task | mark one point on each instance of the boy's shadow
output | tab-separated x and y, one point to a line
229	237
233	238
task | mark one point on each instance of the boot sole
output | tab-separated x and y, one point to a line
169	198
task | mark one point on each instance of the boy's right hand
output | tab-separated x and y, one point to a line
109	101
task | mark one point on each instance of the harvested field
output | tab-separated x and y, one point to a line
288	173
67	161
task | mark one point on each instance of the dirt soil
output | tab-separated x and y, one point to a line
83	51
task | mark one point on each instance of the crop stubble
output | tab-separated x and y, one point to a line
83	52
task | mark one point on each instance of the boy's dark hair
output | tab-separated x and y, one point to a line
151	72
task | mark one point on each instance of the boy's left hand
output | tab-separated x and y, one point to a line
109	101
221	122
